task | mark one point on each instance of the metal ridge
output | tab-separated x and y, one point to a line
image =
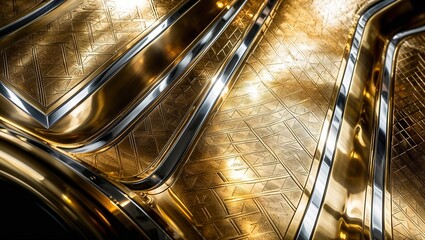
196	119
377	139
168	80
42	9
48	120
312	211
137	213
383	133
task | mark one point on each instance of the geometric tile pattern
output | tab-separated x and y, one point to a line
48	63
143	145
246	174
408	145
11	8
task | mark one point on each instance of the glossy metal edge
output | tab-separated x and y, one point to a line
46	12
27	17
383	137
196	119
312	210
137	212
195	53
329	139
48	120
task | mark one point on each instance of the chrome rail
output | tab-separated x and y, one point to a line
167	81
196	119
47	120
383	135
42	9
349	136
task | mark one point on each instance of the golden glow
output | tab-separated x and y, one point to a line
220	4
66	198
25	169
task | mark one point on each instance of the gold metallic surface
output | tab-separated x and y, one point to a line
142	148
84	208
11	9
50	62
108	103
247	172
252	171
346	208
408	147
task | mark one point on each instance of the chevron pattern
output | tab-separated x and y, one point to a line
50	62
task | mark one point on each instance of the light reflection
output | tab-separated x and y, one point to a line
330	11
220	4
66	198
126	5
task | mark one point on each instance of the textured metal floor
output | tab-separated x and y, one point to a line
247	172
408	146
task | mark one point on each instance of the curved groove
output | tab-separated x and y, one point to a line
138	214
326	161
195	121
168	80
48	120
361	80
42	9
383	133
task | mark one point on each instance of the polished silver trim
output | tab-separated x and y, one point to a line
48	120
312	211
26	19
383	133
120	198
195	121
168	80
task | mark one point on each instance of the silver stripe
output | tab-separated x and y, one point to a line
194	124
129	206
313	207
191	57
383	134
24	20
48	120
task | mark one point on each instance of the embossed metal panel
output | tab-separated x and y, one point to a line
226	119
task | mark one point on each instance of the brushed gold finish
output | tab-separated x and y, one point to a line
407	161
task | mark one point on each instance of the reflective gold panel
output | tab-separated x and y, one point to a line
408	146
246	174
10	9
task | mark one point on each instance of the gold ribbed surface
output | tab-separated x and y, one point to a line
247	172
51	61
408	146
9	9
